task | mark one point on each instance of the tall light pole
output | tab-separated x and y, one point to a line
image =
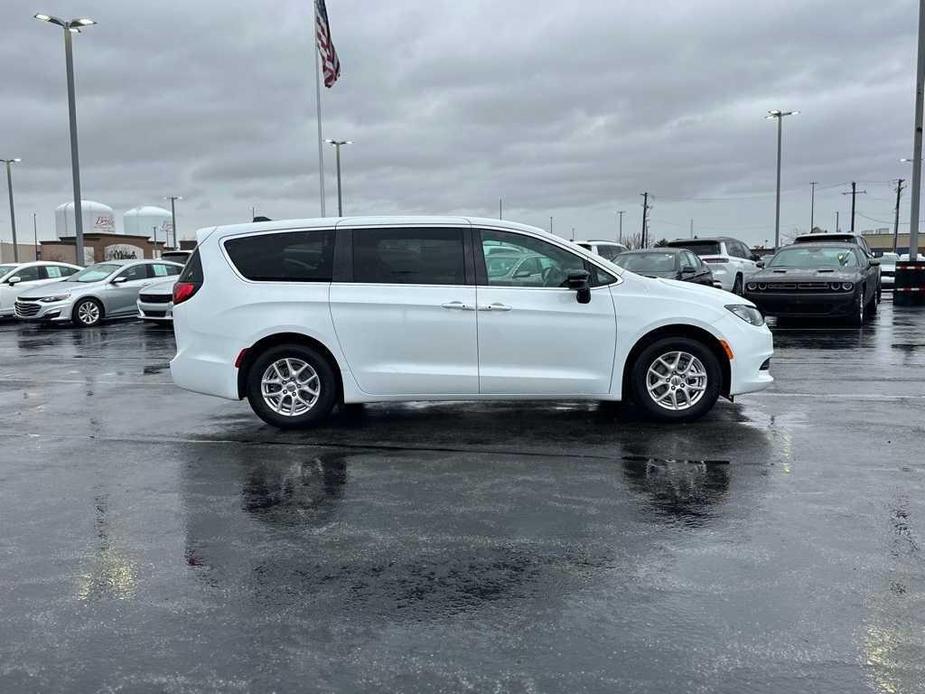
173	216
9	185
916	187
337	144
620	213
779	115
35	232
812	206
72	26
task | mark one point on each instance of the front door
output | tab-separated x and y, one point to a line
534	337
406	319
120	297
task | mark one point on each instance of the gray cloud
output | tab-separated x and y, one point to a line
566	110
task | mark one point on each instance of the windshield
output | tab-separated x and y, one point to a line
6	268
699	247
646	262
94	273
814	258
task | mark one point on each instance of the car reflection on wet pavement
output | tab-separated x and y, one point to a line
157	540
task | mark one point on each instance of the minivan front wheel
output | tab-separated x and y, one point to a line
291	386
676	379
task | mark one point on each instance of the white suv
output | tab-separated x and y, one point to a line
297	316
605	249
730	260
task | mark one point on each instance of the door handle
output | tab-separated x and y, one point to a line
457	306
494	307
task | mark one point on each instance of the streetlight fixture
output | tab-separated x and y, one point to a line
779	115
9	185
337	144
72	26
173	216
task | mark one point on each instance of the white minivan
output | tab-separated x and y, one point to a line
298	316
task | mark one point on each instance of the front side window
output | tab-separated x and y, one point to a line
409	256
290	256
541	264
29	274
135	272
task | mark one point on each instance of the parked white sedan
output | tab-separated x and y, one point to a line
298	315
16	278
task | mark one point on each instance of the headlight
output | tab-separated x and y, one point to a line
749	314
752	286
836	286
53	299
847	286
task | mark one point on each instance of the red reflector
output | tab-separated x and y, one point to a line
240	358
183	291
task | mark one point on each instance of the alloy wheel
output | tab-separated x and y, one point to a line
676	381
290	387
88	313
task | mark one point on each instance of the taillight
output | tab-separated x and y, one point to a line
715	260
183	291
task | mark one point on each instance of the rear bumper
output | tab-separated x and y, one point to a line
805	304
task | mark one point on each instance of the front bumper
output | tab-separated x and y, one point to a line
38	312
752	348
160	312
819	304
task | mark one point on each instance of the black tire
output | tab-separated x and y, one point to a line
738	286
874	300
649	357
326	398
87	313
859	315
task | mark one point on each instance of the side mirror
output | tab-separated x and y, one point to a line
579	280
120	280
688	270
759	264
756	257
14	280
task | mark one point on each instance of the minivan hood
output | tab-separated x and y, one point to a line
697	293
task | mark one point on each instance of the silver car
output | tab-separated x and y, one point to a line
101	291
155	303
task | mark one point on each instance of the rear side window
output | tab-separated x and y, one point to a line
409	256
192	271
291	256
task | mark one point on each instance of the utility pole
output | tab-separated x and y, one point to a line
899	192
550	224
645	214
854	194
500	208
812	206
573	233
836	222
9	183
154	252
620	213
35	232
692	227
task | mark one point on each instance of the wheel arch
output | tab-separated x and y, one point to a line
265	343
678	330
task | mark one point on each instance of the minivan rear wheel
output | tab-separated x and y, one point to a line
676	379
291	386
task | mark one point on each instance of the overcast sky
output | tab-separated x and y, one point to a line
567	110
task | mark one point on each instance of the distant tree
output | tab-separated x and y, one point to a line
633	241
661	243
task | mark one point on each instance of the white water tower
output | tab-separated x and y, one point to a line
141	221
97	219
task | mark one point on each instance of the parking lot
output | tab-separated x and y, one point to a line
157	540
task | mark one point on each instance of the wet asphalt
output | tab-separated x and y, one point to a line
154	540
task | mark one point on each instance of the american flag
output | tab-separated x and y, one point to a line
330	63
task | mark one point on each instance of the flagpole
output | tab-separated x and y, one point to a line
318	107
